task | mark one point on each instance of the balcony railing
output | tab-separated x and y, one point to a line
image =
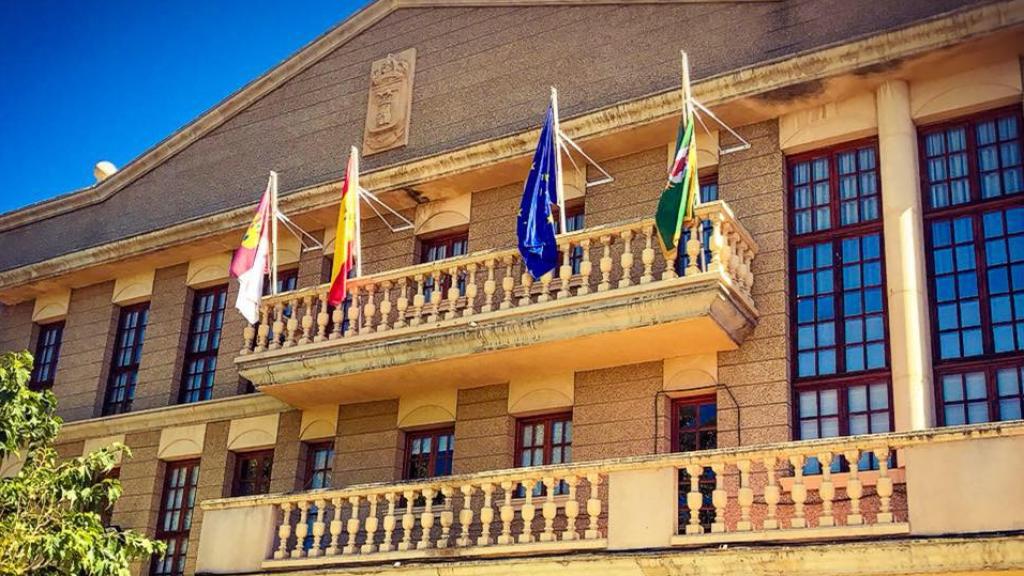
754	494
600	260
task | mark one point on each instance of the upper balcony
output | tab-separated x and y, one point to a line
479	319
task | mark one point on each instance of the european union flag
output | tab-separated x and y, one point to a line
536	225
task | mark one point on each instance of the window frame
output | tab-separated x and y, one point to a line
284	278
41	335
835	235
261	484
988	361
434	434
548	420
141	310
698	401
210	353
180	533
449	239
311	470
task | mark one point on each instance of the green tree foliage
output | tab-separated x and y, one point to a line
50	510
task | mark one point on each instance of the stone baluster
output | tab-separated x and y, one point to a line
526	280
486	515
284	531
471	289
355	311
827	490
798	492
626	260
451	299
385	307
307	320
427	519
263	332
507	513
745	497
418	300
403	301
883	486
605	264
719	498
693	248
565	271
319	527
291	335
593	506
718	246
278	330
490	287
338	318
730	253
507	284
352	526
545	286
549	510
572	509
447	517
369	310
435	296
408	521
694	499
335	546
748	271
371	525
528	511
322	318
647	256
389	523
248	339
772	494
465	516
301	530
854	488
586	268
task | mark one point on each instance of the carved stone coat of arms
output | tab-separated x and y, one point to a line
390	105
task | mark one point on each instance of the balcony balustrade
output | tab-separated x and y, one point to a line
603	270
756	494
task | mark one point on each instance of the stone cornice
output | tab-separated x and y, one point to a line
168	416
869	53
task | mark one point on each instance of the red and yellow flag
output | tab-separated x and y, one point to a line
345	240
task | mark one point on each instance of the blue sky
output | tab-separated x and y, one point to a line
84	81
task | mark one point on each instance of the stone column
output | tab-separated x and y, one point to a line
909	329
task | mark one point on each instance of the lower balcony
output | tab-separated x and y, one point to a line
933	483
479	319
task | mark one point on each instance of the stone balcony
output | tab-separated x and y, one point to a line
949	481
613	301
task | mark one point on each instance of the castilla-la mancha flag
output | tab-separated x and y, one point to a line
249	263
345	241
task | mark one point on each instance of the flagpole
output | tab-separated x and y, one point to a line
273	232
559	190
359	219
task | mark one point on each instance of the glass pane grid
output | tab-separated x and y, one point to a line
955	283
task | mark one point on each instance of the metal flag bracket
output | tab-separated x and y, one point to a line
743	145
605	178
376	204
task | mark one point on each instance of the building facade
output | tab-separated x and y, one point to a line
828	380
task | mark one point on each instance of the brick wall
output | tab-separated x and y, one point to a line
484	430
755	378
614	413
288	454
369	445
215	474
142	484
160	368
85	352
383	249
492	221
313	265
16	329
639	180
226	381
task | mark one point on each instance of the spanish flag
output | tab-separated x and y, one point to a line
682	192
345	240
249	263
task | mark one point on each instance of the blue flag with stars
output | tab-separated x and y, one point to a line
536	225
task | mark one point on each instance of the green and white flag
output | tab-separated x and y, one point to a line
681	194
